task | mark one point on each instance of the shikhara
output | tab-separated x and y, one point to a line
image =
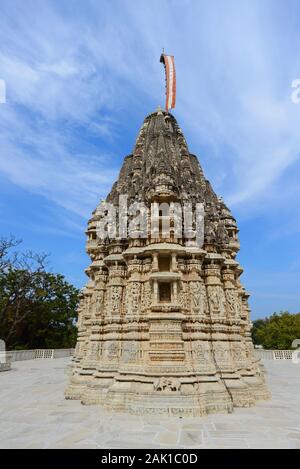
164	324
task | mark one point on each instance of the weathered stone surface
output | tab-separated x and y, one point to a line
163	324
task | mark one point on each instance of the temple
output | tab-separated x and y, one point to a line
163	324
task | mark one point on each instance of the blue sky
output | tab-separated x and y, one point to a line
81	75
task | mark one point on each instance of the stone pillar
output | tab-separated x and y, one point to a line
155	262
215	292
174	299
230	289
155	292
174	262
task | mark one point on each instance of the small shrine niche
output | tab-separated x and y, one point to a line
164	289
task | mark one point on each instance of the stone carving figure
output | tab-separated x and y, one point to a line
167	384
195	288
130	351
214	300
232	301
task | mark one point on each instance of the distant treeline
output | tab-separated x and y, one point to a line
37	308
277	331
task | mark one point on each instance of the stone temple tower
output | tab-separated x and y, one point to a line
163	323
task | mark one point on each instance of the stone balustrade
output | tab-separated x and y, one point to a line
18	355
274	354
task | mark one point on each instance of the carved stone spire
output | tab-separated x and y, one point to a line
160	159
164	323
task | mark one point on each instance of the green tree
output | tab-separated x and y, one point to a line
277	331
37	308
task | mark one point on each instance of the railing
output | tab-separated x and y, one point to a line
62	352
264	354
274	354
19	355
282	354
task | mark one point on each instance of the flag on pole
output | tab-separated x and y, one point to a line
168	61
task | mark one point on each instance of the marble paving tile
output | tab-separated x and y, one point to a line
34	414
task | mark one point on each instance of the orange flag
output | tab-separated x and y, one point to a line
168	61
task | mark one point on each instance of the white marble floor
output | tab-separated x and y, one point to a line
34	414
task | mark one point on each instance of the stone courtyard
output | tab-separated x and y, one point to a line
35	414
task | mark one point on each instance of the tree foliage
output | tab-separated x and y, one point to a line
277	331
37	308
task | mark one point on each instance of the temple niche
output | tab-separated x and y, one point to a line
164	323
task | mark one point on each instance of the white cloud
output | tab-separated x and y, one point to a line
74	183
